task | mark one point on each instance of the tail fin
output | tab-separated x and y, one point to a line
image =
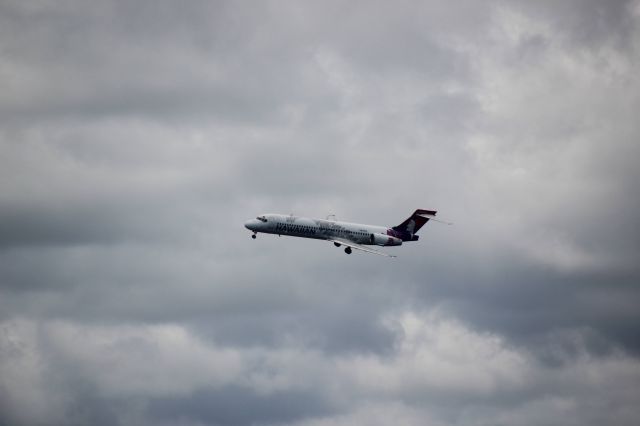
417	220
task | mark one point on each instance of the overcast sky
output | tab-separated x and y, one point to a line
137	137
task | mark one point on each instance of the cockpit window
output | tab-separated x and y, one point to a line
262	219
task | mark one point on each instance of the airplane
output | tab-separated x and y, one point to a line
351	235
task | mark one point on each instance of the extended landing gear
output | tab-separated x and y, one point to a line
253	236
346	249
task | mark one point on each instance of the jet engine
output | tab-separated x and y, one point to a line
384	240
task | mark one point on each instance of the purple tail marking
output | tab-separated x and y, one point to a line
407	229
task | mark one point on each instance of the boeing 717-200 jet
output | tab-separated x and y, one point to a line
351	235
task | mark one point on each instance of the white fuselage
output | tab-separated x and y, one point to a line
322	229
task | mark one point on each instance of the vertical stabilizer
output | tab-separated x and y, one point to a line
417	220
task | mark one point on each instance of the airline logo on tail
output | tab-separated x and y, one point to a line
407	229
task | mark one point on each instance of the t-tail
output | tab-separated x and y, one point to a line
407	230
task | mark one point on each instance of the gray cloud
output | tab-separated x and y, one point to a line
135	139
237	406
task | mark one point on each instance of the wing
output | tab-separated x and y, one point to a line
356	246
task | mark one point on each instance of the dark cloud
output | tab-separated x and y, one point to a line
589	22
235	405
135	140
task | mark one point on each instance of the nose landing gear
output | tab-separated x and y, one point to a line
253	236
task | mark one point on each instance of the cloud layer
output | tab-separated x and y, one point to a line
136	139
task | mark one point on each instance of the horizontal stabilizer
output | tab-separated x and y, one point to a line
433	217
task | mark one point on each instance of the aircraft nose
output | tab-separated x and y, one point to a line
251	224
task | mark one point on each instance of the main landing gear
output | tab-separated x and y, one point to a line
346	250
